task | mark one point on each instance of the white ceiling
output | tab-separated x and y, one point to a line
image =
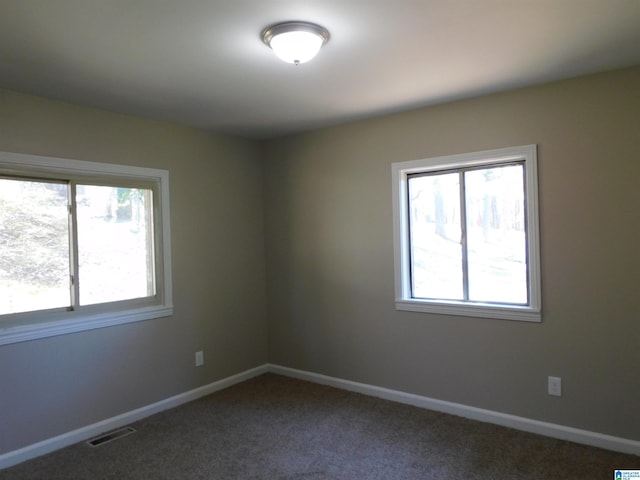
202	63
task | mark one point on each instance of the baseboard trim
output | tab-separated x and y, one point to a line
562	432
49	445
552	430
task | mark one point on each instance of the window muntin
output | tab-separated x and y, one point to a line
111	214
466	235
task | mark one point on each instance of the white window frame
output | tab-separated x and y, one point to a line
403	297
26	326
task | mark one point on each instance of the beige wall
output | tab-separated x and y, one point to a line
326	200
330	256
54	385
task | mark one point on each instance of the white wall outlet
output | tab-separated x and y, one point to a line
199	358
555	386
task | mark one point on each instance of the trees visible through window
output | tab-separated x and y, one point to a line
468	237
113	248
466	234
115	243
80	241
34	238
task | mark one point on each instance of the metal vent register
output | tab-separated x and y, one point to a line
110	436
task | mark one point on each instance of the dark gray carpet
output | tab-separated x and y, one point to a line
273	427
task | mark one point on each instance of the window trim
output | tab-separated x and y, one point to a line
403	300
26	326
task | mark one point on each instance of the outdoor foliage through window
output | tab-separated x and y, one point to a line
45	265
34	240
468	235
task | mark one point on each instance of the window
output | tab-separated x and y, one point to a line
82	245
466	234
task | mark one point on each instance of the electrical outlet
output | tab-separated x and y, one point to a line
555	386
199	358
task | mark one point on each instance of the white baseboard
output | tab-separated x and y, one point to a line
520	423
552	430
49	445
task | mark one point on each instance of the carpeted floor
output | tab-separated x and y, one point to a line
278	428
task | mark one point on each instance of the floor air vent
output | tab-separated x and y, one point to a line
110	436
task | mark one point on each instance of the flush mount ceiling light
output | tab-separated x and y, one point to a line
295	42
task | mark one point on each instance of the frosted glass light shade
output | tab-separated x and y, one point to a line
295	42
296	47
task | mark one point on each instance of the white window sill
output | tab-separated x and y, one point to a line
522	314
63	326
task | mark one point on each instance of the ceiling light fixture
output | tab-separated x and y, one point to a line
295	42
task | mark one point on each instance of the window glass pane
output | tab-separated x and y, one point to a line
34	246
434	222
115	243
496	238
